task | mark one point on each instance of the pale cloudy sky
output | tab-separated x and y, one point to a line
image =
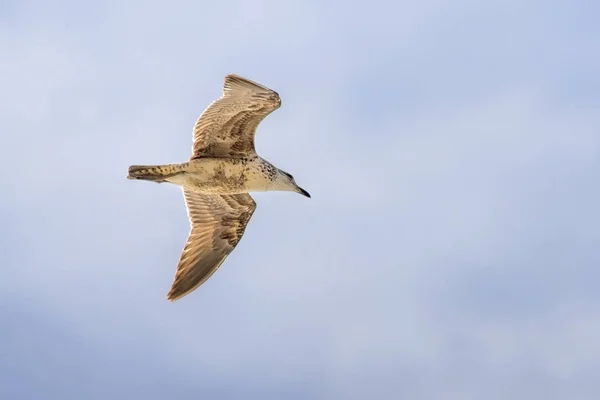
450	249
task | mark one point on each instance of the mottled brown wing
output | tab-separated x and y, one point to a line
226	127
217	225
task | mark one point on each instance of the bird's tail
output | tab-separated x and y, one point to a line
155	173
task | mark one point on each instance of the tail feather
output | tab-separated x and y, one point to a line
154	173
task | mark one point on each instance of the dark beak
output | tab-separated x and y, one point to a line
304	192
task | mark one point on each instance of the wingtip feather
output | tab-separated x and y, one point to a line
172	297
237	82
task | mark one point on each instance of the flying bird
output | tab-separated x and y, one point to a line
223	168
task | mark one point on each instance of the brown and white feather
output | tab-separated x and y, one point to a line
217	223
227	126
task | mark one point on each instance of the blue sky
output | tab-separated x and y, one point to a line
450	248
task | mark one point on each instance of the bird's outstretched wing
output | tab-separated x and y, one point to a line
217	225
226	127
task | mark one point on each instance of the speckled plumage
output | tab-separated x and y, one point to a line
216	179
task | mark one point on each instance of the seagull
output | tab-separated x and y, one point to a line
223	168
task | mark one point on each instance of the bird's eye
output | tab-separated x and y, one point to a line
289	175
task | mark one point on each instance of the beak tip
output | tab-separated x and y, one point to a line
304	193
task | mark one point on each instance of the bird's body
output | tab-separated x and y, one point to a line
216	180
214	175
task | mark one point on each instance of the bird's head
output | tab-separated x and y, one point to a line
285	181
